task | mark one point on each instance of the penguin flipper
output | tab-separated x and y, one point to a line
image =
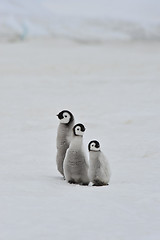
61	152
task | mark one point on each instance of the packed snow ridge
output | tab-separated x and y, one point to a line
80	20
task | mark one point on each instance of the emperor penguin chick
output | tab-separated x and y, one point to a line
75	162
99	171
64	135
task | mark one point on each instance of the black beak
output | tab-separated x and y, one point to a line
59	116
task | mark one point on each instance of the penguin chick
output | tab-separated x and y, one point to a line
75	162
64	135
99	171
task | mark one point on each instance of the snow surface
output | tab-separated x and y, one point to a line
84	20
114	90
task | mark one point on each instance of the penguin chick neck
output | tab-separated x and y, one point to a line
76	142
94	154
67	125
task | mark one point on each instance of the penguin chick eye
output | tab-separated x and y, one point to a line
65	116
92	145
78	129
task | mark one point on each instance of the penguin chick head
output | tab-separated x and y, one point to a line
94	146
79	129
65	116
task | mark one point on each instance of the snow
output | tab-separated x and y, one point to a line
85	20
114	90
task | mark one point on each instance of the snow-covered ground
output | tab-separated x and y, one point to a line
114	90
83	20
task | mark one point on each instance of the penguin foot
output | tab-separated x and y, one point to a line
84	184
97	183
72	181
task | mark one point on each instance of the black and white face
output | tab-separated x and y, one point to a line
94	146
65	116
79	129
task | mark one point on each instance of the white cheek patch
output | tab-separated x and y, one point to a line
65	119
93	148
79	133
